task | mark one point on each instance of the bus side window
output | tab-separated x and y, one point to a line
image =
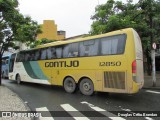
89	48
53	53
32	55
109	47
49	53
22	57
66	51
59	52
71	50
43	54
121	44
27	56
38	54
112	45
18	57
74	50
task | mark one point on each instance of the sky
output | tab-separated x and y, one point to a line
72	16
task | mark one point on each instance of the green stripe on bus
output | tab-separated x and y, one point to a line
34	71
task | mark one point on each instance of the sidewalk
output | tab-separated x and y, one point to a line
148	83
10	101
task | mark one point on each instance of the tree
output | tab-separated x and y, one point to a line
14	27
41	42
143	16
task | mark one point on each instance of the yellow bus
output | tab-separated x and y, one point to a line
111	62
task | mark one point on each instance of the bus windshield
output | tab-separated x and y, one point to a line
5	66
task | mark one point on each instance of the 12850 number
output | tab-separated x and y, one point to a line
116	63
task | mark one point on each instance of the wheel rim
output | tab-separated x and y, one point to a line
86	87
69	85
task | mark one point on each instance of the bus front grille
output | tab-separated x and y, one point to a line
114	80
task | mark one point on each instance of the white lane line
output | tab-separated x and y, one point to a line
148	118
70	109
49	117
150	91
103	111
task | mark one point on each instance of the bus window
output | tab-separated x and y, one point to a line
71	50
112	45
75	49
59	52
43	54
49	53
66	51
11	64
121	44
53	53
32	55
89	48
38	54
27	56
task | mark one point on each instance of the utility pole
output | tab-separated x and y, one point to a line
153	45
153	64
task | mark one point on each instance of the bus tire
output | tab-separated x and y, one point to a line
69	85
86	86
18	79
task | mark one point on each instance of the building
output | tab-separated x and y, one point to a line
49	31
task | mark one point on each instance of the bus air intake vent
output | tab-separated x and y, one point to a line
114	80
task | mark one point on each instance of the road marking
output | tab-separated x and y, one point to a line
128	110
148	118
70	109
150	91
103	111
49	116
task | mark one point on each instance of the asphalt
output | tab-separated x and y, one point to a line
10	101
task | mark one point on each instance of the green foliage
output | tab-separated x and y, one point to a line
143	16
41	42
14	26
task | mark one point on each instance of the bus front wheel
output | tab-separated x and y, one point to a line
86	86
18	79
69	85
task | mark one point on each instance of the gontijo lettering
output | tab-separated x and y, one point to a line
74	63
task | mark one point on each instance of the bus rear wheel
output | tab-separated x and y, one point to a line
86	86
18	79
69	85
